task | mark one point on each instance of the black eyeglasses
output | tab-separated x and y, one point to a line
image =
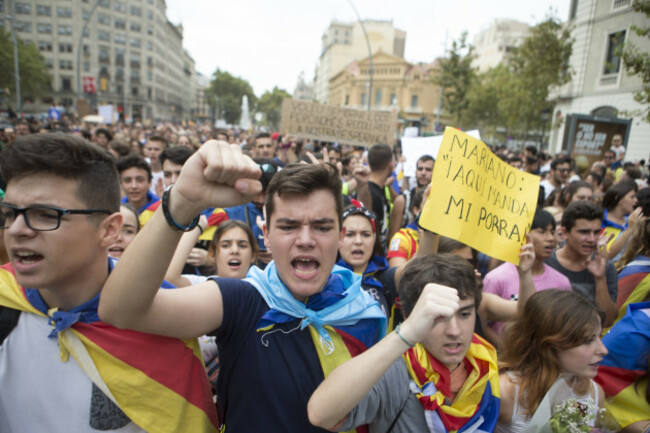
40	218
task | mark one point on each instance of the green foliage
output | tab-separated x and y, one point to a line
35	79
270	104
225	95
455	79
637	62
514	95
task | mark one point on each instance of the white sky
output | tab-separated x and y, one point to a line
269	42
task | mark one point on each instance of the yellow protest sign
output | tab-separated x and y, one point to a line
478	199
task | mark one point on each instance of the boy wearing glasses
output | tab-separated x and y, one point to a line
560	170
61	368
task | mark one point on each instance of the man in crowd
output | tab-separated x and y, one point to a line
380	161
61	369
135	180
152	150
269	327
583	258
560	171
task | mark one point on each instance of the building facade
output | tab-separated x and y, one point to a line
494	44
129	48
601	86
343	43
397	85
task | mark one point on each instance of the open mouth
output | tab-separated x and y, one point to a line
234	263
306	267
453	348
27	258
357	254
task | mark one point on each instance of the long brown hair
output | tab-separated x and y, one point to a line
552	321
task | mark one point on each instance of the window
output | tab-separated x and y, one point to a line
150	30
103	35
150	15
135	27
347	100
104	57
23	26
120	39
149	45
378	97
104	19
134	91
23	8
619	4
85	15
2	6
119	6
64	30
135	42
44	46
86	66
66	83
135	58
44	28
136	11
105	3
64	12
393	99
65	65
119	56
119	74
414	101
363	98
43	11
613	57
120	23
65	48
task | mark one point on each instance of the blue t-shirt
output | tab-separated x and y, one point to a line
266	378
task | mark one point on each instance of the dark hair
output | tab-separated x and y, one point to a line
580	210
379	156
571	189
542	219
230	224
449	245
532	149
130	208
515	159
416	199
560	160
105	132
177	155
424	158
643	197
133	161
120	147
262	135
446	269
616	192
69	157
160	139
302	180
269	169
597	177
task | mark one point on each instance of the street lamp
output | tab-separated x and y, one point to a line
19	105
371	71
80	45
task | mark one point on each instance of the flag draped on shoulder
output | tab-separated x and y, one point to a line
476	406
628	343
158	382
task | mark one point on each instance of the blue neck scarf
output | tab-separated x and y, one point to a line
61	320
342	302
376	264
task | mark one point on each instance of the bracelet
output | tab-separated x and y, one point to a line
168	216
200	228
408	343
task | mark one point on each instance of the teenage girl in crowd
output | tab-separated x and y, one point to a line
130	228
539	351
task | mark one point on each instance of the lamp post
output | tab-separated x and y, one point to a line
370	71
19	105
80	46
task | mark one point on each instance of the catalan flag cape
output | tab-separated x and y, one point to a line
148	212
476	405
343	319
628	343
613	229
633	284
158	382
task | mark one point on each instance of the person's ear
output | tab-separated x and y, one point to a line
109	229
341	237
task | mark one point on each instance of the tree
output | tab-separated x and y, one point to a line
35	79
489	98
538	65
270	104
455	80
225	95
637	62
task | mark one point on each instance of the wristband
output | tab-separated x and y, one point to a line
399	334
200	228
168	216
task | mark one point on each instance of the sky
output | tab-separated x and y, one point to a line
270	42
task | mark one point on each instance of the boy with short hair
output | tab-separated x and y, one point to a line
432	374
61	368
135	180
583	258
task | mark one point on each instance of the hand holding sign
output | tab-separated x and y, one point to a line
478	199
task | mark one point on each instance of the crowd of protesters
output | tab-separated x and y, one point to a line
265	282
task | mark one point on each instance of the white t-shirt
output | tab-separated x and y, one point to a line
40	393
